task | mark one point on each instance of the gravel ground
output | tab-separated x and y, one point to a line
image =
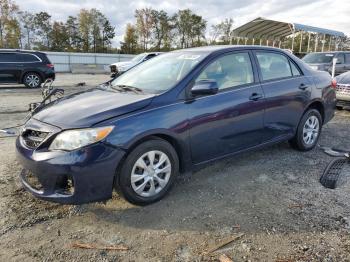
272	196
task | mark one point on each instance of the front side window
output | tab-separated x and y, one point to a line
7	57
273	65
161	72
229	71
347	58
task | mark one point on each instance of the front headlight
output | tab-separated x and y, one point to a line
73	139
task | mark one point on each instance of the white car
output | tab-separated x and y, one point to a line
120	67
343	90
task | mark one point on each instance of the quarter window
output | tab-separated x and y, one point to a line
295	70
273	65
229	71
27	58
7	57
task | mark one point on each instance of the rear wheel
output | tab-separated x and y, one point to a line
32	80
148	172
308	131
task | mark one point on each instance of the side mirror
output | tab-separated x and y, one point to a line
205	87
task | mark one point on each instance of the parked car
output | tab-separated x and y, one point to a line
170	115
30	68
324	60
120	67
343	90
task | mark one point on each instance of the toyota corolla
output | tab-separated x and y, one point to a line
171	115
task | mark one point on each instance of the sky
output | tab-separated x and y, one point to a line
330	14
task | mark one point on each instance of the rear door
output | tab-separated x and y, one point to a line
232	119
8	67
287	92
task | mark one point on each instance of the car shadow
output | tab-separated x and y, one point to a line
273	189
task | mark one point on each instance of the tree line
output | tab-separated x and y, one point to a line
89	31
156	30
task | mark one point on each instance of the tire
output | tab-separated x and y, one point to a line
340	107
32	80
306	137
138	165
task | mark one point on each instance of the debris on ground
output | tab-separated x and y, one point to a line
224	243
99	247
224	258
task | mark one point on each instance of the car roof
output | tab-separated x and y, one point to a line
21	51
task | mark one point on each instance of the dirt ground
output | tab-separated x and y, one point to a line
272	196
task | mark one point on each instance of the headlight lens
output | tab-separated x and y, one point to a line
73	139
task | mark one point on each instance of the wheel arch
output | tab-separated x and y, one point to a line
318	105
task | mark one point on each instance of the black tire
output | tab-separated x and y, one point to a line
32	80
123	180
340	107
297	142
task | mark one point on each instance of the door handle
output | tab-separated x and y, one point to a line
303	86
255	97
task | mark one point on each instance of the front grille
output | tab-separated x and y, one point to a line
33	138
343	89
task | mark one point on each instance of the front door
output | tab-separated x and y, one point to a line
232	119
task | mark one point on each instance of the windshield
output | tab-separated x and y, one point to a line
318	58
138	58
160	73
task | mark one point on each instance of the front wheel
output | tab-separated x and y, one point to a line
308	132
32	80
148	172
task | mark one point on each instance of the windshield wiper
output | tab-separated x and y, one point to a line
126	88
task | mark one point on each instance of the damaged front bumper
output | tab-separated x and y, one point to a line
75	177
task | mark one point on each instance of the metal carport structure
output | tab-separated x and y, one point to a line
266	29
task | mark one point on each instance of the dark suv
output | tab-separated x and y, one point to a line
25	67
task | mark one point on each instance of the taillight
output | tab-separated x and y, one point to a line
334	83
50	65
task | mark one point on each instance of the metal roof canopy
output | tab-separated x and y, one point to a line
265	28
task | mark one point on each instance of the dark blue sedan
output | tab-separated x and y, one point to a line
169	115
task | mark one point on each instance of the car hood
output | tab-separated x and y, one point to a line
87	108
343	78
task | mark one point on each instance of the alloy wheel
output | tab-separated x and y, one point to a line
32	80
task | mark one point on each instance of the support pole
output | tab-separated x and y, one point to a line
308	43
260	41
323	42
301	41
330	43
245	41
293	41
316	42
253	41
279	44
237	40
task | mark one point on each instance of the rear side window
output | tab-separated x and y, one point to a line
340	59
7	57
273	65
347	58
27	58
229	71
